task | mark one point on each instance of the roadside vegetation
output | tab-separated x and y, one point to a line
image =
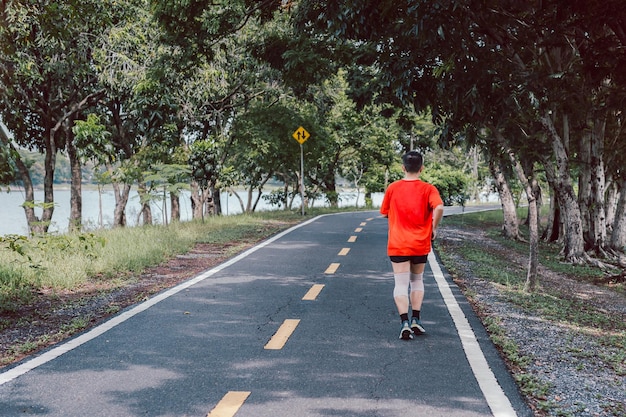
560	302
145	97
50	263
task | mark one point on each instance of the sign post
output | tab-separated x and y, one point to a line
301	135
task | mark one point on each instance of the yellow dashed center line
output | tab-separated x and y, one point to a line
332	268
280	337
313	292
233	400
229	404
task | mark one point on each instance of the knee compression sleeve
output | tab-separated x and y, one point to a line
402	284
417	282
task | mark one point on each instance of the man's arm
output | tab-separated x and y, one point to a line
437	216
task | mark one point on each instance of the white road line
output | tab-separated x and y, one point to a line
496	398
54	353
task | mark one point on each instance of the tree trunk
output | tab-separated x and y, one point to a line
217	201
121	193
552	230
527	180
510	225
332	195
592	186
197	201
164	207
100	219
584	186
48	186
255	203
573	250
533	239
598	187
529	169
260	194
610	203
29	198
533	192
618	237
208	201
286	194
24	174
249	193
145	215
76	198
175	207
234	193
475	176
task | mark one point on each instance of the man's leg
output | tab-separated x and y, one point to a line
402	277
417	296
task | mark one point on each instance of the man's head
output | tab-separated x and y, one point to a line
412	161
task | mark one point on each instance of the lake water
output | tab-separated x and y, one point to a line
13	219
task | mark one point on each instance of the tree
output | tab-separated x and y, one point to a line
212	22
141	107
47	81
378	139
263	148
92	143
204	163
452	184
164	180
7	166
223	81
501	177
521	68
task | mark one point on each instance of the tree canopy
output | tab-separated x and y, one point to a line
533	91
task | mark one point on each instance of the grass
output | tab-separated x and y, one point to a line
549	254
52	262
493	268
567	311
483	219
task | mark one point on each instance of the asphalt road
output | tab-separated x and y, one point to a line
302	325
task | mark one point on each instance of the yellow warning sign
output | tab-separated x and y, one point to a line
301	135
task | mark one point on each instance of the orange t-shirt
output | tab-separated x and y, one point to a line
409	205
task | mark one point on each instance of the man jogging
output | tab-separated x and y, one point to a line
414	209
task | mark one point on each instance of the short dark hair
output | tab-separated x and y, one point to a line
412	161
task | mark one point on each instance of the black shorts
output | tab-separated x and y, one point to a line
421	259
